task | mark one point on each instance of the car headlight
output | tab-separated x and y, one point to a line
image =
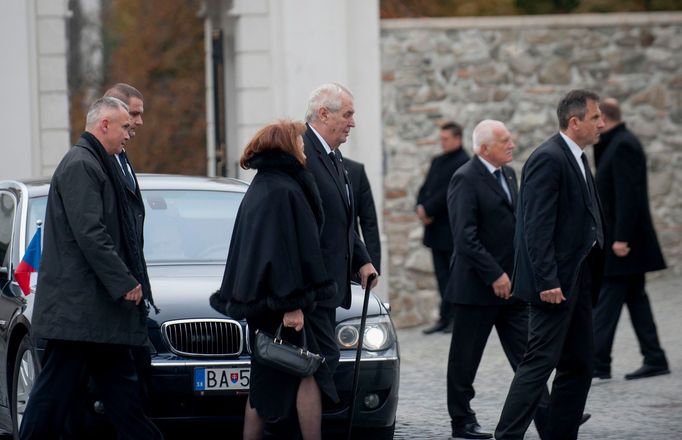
379	333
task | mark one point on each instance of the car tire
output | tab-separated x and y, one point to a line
23	378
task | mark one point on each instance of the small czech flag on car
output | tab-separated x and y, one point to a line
27	271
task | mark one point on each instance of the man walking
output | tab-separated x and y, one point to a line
91	296
481	201
631	246
432	210
558	263
330	117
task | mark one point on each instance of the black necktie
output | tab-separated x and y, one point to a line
126	174
592	192
336	160
500	180
337	165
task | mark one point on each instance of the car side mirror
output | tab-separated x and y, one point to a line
15	289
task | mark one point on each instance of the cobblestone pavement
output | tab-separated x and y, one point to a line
643	409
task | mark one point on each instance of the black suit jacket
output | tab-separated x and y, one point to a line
482	220
621	179
433	197
342	250
556	226
365	211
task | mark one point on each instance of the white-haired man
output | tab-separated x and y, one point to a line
329	118
481	201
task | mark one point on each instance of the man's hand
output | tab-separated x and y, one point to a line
502	286
134	295
293	319
365	272
421	213
620	248
552	296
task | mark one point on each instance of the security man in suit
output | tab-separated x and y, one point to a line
365	211
432	210
78	423
558	266
329	120
631	246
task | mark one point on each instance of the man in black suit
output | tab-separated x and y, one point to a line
329	119
481	200
432	210
631	246
365	211
558	263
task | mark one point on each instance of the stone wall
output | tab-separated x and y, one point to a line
516	69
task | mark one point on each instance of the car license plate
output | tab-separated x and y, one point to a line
221	379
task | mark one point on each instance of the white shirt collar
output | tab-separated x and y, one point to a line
118	161
487	164
326	146
576	151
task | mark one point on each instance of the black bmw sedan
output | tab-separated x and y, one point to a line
200	362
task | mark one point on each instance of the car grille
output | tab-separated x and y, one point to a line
203	337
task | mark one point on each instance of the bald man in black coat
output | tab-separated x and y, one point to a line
632	248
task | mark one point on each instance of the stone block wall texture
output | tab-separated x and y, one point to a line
516	69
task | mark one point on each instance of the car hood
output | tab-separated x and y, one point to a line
183	291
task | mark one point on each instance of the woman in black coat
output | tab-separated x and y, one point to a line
275	274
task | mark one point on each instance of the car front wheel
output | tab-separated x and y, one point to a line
25	372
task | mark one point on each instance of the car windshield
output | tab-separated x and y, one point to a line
181	226
188	226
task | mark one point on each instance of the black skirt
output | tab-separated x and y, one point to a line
272	392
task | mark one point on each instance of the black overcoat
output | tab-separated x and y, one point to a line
483	222
275	263
621	180
85	267
343	252
433	197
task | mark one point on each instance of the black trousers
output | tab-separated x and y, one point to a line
615	292
66	367
561	337
472	327
441	266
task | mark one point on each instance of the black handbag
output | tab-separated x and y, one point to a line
284	356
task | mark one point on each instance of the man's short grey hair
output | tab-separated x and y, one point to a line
483	133
327	96
574	104
98	109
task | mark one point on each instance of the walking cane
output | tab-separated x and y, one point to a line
358	354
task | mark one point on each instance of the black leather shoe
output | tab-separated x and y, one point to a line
600	374
470	430
437	327
586	416
647	371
